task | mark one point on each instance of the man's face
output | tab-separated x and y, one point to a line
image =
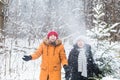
52	38
80	43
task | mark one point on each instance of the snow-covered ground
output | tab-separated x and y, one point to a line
28	17
14	68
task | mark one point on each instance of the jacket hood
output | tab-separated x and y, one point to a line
56	43
76	46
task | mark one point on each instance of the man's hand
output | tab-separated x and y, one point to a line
67	72
27	58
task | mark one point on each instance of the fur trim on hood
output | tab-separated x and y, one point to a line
57	42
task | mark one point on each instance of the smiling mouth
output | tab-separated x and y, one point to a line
53	39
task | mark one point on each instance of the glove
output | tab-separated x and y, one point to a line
67	72
27	58
66	68
98	72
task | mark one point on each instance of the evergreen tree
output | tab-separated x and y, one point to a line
103	51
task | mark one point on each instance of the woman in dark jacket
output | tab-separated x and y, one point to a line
81	61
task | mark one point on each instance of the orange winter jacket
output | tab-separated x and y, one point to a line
52	58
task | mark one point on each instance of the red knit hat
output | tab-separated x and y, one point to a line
52	33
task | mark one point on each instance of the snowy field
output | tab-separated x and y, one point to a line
14	68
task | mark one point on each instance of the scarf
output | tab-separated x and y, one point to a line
82	62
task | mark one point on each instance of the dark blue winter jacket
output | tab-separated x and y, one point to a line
73	62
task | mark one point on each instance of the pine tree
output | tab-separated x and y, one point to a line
102	50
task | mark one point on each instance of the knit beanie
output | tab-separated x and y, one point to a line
52	33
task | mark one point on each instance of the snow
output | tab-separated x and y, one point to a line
109	78
18	69
26	26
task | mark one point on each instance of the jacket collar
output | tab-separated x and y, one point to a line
57	42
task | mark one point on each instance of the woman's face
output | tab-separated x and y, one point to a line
80	43
52	38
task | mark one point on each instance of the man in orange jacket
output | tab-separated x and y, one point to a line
53	55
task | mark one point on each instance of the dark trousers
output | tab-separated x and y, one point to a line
83	78
77	76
